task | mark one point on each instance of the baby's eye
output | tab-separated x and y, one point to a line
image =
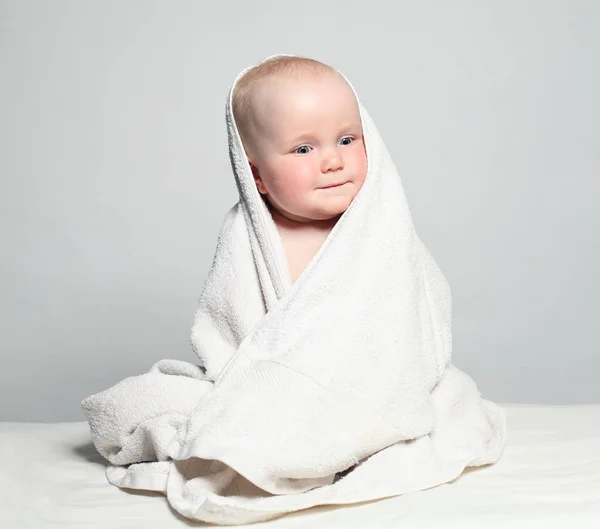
302	147
307	147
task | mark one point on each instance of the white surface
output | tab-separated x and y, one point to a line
547	477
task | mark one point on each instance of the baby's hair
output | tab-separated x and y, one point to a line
277	67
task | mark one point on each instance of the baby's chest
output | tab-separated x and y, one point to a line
299	251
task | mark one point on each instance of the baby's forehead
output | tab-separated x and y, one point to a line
287	106
282	84
323	96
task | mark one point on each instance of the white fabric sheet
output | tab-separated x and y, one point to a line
548	477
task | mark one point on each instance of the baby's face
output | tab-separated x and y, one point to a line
309	137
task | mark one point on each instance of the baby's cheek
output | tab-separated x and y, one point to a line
300	184
361	170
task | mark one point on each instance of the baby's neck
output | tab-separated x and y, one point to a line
301	240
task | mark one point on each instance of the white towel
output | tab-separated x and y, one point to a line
335	389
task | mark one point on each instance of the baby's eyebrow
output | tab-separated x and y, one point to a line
310	135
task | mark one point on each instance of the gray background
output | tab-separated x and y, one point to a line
115	177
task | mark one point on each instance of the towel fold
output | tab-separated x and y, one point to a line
335	389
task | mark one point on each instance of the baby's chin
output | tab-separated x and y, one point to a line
321	209
331	207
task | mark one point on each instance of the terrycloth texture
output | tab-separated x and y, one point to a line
332	390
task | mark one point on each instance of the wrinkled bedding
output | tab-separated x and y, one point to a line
548	476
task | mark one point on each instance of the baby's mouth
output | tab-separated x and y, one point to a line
335	185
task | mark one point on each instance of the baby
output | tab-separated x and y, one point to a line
300	126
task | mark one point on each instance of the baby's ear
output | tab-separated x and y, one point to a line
253	168
258	180
255	173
